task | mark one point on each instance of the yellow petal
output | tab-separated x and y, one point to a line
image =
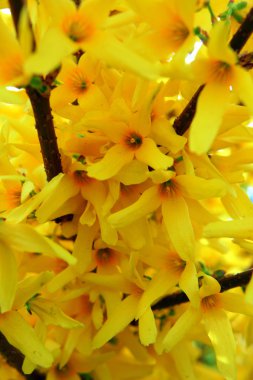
243	86
179	227
22	336
123	314
182	359
147	328
218	47
26	238
221	335
135	172
179	330
65	189
8	277
238	228
160	284
150	154
20	213
52	49
30	286
114	160
200	188
237	303
51	314
188	282
211	106
120	56
147	203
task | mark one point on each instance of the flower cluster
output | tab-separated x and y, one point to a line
133	188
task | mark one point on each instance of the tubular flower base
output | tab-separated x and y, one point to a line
126	214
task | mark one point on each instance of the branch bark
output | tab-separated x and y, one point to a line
227	282
183	121
42	112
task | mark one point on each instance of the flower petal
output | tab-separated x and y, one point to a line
160	284
188	282
179	227
22	336
147	328
243	85
178	331
8	277
150	154
123	314
114	160
221	335
200	188
211	106
147	203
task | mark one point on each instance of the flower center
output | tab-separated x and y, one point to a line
167	188
81	178
133	140
175	263
219	71
77	82
77	27
105	256
209	302
176	33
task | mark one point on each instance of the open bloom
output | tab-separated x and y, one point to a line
172	197
215	321
78	84
71	29
220	73
131	140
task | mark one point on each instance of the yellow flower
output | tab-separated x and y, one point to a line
220	73
215	322
130	141
14	53
171	271
171	26
170	195
78	84
71	29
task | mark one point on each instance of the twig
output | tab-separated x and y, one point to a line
226	283
183	121
42	113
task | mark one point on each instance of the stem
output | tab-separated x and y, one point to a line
42	113
243	33
227	282
183	121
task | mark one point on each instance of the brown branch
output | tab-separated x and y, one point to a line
42	112
243	33
183	121
227	282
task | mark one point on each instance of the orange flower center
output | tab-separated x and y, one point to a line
13	197
77	82
11	67
133	140
210	302
105	256
167	188
81	178
176	33
77	27
219	72
175	263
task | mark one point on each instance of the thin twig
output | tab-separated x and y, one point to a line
226	283
42	113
